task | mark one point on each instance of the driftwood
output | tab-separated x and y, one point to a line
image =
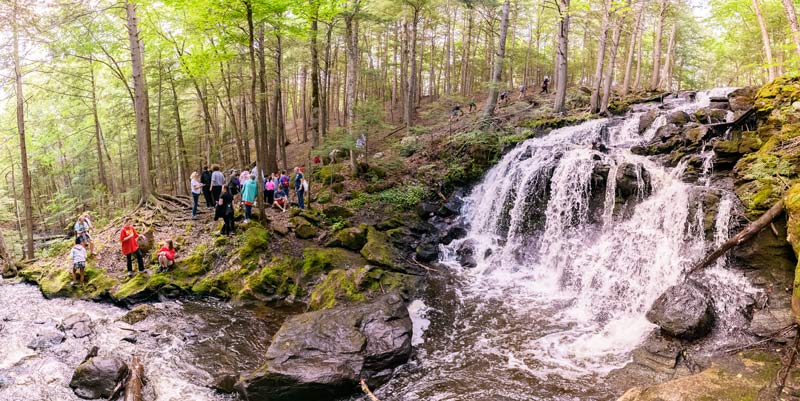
133	389
366	391
748	232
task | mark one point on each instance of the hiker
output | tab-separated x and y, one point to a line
205	179
234	184
280	199
269	190
130	246
298	185
317	160
545	83
197	188
472	105
249	192
78	256
225	211
284	181
503	96
456	112
82	227
244	176
166	256
522	90
217	181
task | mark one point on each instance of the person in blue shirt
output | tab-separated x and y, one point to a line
298	186
82	227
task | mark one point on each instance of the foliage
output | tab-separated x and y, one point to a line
403	197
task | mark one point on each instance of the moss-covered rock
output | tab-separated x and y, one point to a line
378	250
355	285
324	197
320	260
279	278
352	238
337	212
302	228
56	282
255	242
792	205
138	313
329	174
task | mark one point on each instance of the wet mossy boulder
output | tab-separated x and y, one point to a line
355	285
646	120
708	115
678	118
277	279
321	260
56	282
138	313
329	174
8	270
255	242
352	238
728	152
378	250
323	355
337	212
302	228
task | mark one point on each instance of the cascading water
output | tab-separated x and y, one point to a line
571	242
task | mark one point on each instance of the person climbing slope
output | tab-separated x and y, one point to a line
456	113
545	84
130	246
78	256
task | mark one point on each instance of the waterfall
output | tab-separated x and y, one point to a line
579	242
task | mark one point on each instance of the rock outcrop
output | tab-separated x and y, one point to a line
97	377
323	355
684	311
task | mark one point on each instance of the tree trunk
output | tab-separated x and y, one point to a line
465	57
765	41
594	103
626	82
183	164
411	90
140	105
101	168
351	43
612	59
655	77
791	16
269	140
497	70
260	162
666	70
27	192
562	56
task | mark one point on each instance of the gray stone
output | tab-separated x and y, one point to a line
323	355
47	337
97	377
684	311
768	322
677	117
646	120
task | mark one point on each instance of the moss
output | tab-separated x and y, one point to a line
227	284
377	250
329	174
352	238
302	228
256	241
338	285
555	122
279	277
320	260
134	286
324	197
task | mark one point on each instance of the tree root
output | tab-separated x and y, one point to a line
366	391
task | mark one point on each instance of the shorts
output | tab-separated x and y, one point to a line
86	237
281	201
79	266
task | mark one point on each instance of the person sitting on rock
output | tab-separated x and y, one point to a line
166	256
78	256
280	199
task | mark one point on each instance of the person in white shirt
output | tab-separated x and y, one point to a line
78	256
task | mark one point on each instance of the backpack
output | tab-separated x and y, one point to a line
285	181
233	186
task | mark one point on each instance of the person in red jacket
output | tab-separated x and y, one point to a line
166	256
130	247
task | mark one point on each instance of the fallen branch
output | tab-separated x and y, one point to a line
747	233
366	391
428	268
784	371
133	389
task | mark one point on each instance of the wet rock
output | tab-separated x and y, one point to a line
78	324
138	313
707	115
768	322
453	233
97	377
742	99
426	210
47	337
678	118
719	105
684	311
323	355
450	208
6	380
427	252
646	120
465	254
225	383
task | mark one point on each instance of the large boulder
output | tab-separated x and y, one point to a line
465	254
78	324
302	228
97	377
677	117
47	337
647	119
323	355
352	238
378	251
707	115
684	311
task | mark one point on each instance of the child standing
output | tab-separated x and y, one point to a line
130	246
78	256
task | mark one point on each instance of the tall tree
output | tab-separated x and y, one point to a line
612	58
635	33
771	67
562	56
594	101
497	69
315	115
140	105
791	16
658	32
27	192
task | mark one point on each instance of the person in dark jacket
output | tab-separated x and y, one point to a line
217	182
205	179
225	211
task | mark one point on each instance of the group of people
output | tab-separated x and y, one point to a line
456	112
242	187
129	243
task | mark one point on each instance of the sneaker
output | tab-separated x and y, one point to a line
72	283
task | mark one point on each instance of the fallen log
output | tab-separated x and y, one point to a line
748	232
133	389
